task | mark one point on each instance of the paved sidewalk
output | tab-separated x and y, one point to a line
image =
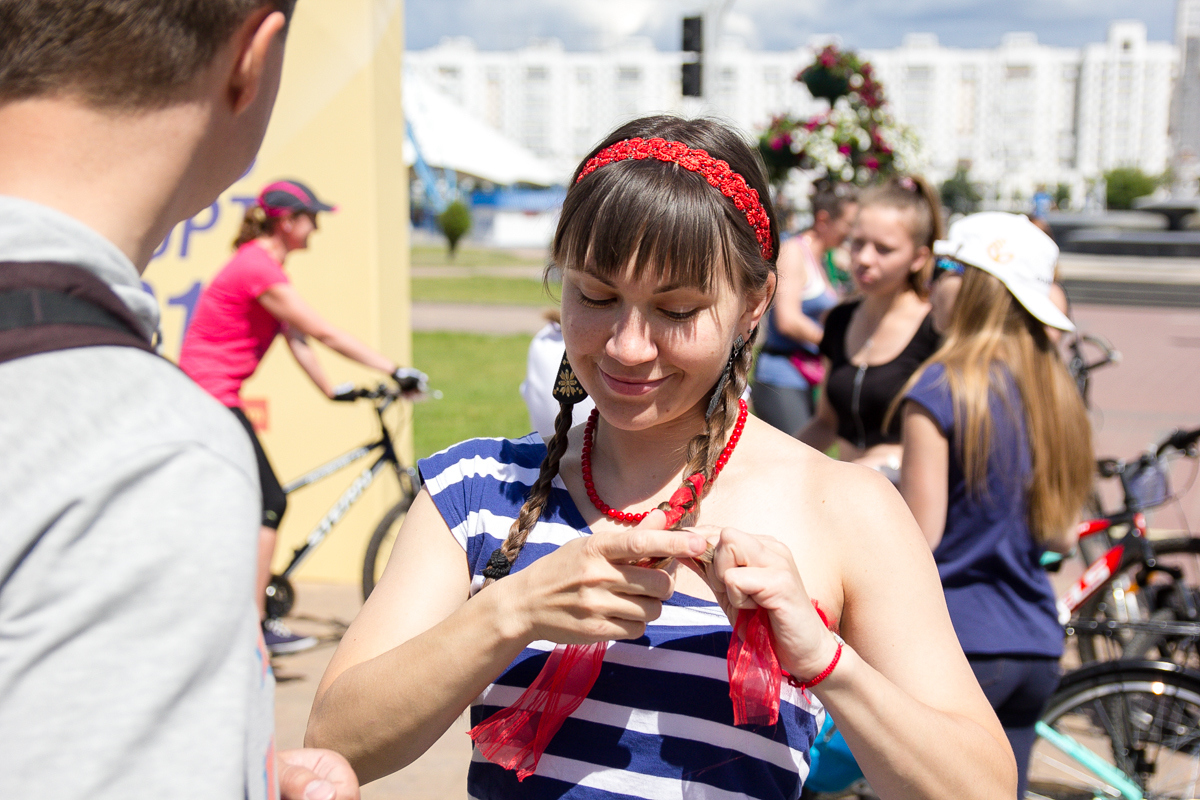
325	610
477	318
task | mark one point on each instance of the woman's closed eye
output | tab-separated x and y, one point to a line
679	316
595	302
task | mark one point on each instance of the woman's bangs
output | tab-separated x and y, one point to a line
668	222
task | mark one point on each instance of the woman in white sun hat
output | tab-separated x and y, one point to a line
998	460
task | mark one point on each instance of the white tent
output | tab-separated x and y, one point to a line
449	137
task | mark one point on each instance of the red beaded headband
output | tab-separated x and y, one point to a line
718	173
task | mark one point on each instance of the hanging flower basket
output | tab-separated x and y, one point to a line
855	141
823	82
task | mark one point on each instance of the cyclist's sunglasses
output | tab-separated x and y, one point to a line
945	265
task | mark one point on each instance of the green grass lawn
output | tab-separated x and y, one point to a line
484	289
479	378
438	256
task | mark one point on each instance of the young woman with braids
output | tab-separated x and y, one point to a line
666	243
874	342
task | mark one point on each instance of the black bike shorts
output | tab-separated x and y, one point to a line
274	500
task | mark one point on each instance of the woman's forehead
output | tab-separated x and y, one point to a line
885	221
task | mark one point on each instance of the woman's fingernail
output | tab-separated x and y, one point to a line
320	790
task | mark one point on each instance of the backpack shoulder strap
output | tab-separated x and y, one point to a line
48	306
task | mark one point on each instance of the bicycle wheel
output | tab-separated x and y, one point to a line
1140	717
379	549
1124	601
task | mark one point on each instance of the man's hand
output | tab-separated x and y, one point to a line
312	774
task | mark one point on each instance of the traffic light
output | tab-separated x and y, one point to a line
693	42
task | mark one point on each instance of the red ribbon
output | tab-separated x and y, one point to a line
684	499
516	737
754	675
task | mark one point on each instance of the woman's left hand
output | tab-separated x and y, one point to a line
750	572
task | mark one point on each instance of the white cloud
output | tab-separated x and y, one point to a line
778	24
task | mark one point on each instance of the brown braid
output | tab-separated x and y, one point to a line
705	447
535	503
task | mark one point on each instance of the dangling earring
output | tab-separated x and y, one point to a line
738	344
566	386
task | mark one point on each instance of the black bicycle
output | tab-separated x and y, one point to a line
1081	361
411	385
1139	597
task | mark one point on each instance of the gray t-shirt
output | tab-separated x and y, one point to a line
131	663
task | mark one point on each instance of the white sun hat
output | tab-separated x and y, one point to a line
1014	250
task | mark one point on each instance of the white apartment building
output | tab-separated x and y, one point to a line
1185	110
1019	116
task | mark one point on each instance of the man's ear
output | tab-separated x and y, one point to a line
257	38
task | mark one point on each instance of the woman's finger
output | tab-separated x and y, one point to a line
648	581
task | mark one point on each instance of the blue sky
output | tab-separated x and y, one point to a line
779	24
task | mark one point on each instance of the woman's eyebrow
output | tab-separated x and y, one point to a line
670	287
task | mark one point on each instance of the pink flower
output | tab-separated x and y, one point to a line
844	149
871	162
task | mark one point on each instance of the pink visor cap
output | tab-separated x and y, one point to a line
290	197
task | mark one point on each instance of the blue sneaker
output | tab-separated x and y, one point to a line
281	641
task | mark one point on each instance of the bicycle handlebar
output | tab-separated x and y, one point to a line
1110	354
1184	441
410	384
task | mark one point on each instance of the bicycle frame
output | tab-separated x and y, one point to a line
1128	789
1134	548
353	492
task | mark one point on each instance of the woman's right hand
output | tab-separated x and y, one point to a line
591	589
753	571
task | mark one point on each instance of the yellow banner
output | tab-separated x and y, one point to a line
339	128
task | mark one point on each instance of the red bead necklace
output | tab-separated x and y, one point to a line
633	518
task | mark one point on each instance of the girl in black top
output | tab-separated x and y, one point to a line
874	343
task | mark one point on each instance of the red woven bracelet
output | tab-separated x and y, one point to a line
837	655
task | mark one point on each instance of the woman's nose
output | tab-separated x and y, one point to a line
865	254
631	342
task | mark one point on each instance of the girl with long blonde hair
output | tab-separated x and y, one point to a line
998	460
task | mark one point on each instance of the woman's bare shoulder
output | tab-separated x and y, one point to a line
825	493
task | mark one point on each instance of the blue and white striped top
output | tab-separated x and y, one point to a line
658	723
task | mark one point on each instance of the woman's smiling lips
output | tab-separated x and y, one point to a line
632	387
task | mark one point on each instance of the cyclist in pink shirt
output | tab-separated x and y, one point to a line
247	304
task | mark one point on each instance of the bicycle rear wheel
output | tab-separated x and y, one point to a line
1141	717
1123	601
379	549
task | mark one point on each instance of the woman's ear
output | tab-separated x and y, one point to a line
758	304
920	259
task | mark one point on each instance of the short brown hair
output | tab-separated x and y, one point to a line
114	53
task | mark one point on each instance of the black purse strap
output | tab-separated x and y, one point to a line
48	306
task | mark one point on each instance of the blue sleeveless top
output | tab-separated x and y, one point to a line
658	723
774	365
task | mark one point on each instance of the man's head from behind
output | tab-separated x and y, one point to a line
170	97
119	54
